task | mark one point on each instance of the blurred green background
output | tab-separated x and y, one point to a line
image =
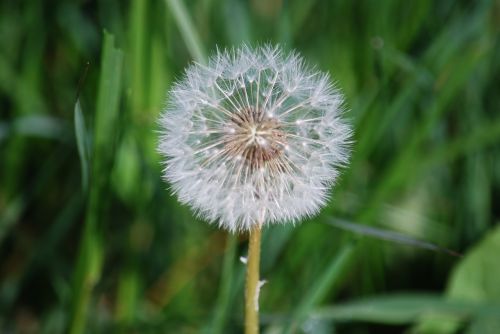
91	241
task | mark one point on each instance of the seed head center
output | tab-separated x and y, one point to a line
257	138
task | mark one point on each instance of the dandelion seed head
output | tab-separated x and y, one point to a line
254	137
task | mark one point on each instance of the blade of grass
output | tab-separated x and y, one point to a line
81	137
404	309
187	29
389	236
91	249
137	40
221	308
126	174
322	286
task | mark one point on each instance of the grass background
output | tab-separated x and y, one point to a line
91	241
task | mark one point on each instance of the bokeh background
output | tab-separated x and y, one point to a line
91	240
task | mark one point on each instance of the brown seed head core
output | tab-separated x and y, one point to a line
255	137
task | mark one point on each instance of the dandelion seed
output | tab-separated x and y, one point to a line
260	284
265	141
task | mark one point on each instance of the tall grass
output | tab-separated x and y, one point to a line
91	239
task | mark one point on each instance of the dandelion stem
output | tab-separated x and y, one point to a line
252	282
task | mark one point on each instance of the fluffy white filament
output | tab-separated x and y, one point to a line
253	137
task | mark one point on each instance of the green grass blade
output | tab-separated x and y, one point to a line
404	309
388	236
320	288
187	29
81	142
138	37
221	307
91	250
107	100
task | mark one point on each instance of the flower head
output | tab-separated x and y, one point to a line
254	137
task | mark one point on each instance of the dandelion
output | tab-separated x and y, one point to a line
255	137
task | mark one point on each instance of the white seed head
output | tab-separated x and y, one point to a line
254	137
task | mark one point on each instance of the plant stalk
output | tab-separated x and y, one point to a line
252	282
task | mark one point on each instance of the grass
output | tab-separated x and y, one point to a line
92	241
89	262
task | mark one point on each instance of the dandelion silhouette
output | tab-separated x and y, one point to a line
255	137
